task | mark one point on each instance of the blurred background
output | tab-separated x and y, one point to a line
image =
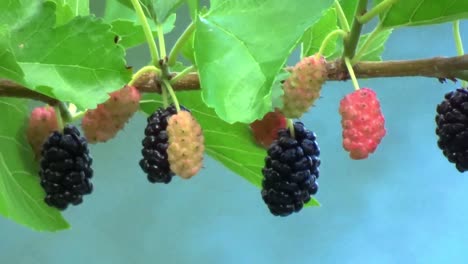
404	204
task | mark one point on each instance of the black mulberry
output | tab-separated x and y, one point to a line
452	128
65	168
155	160
291	170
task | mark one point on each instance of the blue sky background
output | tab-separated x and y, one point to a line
405	204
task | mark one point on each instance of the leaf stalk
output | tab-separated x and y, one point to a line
148	33
180	44
458	43
375	11
367	43
342	17
329	37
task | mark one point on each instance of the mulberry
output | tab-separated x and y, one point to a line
104	122
42	122
303	86
265	131
65	168
155	161
363	123
291	170
186	145
452	128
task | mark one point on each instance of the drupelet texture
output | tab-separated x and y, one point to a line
452	128
302	87
65	168
363	123
291	170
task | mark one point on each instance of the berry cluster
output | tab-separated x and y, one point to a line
173	145
452	128
65	168
363	123
291	170
186	144
303	86
155	163
104	122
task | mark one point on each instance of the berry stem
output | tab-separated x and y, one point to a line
367	43
162	44
341	16
164	96
168	86
351	41
351	73
458	43
181	74
142	71
329	37
291	127
64	113
180	44
58	114
147	30
375	11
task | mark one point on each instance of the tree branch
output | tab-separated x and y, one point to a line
350	43
11	89
438	67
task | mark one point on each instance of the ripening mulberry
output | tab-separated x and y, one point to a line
186	145
303	86
104	122
452	128
42	122
363	123
265	130
65	168
291	170
155	160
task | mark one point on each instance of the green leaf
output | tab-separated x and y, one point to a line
21	196
163	8
241	45
9	68
116	10
314	36
423	12
131	34
230	144
16	12
66	10
375	47
277	89
158	10
63	12
349	8
78	7
188	50
193	8
77	62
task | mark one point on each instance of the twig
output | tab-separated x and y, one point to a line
352	40
437	67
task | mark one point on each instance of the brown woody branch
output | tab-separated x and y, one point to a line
439	67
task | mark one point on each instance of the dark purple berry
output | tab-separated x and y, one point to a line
65	164
291	170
